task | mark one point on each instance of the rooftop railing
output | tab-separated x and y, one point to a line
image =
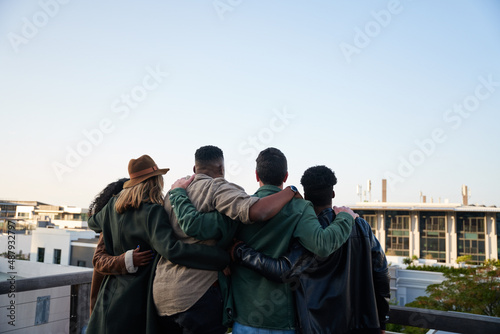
407	316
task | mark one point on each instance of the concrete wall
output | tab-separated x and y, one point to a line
82	252
50	239
407	285
69	223
23	305
23	311
29	269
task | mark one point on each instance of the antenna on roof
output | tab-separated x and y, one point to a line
369	187
465	194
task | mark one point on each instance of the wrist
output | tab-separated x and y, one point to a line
293	189
177	191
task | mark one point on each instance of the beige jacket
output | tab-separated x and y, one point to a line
176	288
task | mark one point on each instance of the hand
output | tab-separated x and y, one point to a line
142	258
227	271
337	209
298	195
232	249
183	182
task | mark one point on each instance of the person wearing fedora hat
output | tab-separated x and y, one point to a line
137	217
142	169
103	263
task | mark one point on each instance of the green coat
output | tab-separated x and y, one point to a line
253	300
124	303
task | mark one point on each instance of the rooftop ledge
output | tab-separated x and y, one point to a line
441	320
423	206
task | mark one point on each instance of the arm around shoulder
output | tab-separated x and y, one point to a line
165	242
199	225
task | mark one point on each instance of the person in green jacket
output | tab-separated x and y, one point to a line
136	217
259	304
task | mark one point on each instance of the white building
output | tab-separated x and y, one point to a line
34	212
439	231
53	245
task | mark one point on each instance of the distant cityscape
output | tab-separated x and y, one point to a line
39	240
437	232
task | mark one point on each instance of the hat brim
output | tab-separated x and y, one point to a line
137	180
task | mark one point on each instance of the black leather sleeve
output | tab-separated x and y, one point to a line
272	269
381	280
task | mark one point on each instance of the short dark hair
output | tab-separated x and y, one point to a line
206	154
318	182
271	166
105	195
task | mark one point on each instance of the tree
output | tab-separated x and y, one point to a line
477	291
465	258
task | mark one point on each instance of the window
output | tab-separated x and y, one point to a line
372	220
433	236
57	256
41	254
398	233
471	236
81	263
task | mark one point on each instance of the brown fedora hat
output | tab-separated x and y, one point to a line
141	169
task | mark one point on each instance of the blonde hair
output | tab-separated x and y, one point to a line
149	190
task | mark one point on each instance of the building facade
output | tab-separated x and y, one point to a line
437	231
34	213
62	246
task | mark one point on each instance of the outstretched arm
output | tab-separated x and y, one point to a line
279	270
323	242
231	200
163	240
199	225
267	207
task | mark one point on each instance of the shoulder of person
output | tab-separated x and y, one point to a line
364	226
222	182
152	208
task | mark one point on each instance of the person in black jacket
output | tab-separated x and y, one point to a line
348	291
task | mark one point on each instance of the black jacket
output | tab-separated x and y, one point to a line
343	293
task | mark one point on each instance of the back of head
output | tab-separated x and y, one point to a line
318	182
149	190
105	195
272	166
209	160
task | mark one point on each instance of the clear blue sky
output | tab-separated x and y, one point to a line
406	90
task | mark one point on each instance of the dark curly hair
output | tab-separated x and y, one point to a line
318	182
105	195
208	153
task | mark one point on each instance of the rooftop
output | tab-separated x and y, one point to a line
424	206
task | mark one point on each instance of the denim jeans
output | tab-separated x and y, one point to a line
204	317
242	329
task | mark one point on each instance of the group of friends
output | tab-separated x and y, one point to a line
208	256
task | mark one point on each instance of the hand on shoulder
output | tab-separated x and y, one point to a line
338	209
